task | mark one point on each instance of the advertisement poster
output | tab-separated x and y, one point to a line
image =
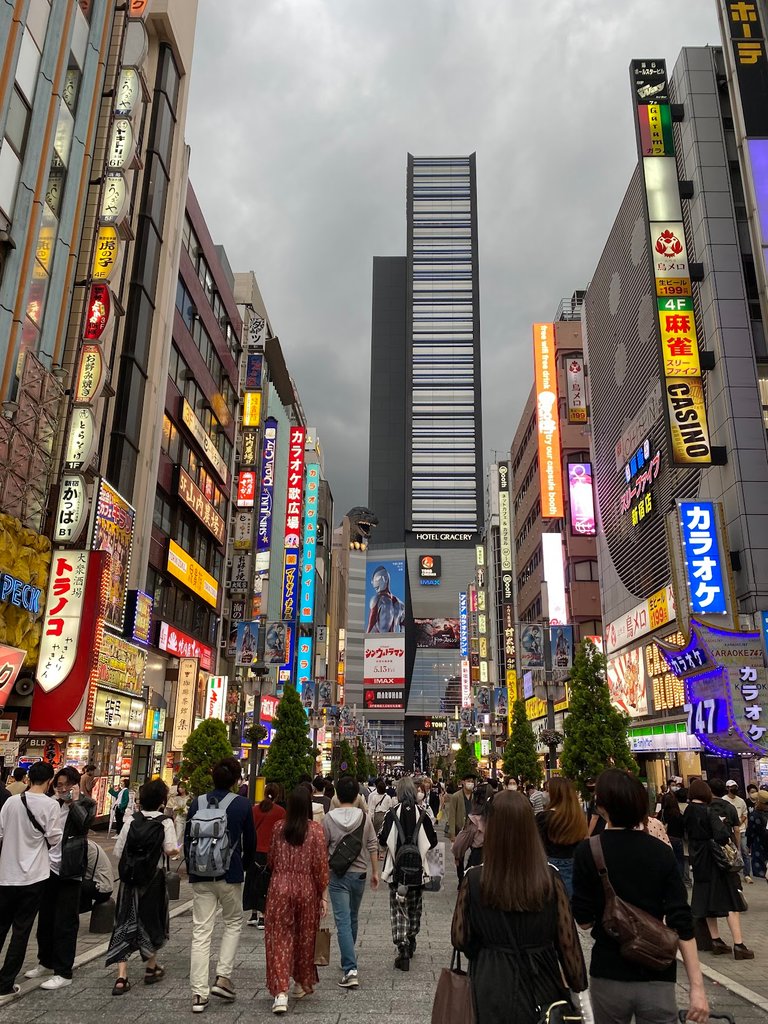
626	682
482	700
384	662
500	702
442	633
113	533
582	499
531	649
247	637
385	597
278	643
561	647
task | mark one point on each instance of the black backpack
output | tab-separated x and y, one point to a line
347	851
408	869
142	851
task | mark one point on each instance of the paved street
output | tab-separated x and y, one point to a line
383	993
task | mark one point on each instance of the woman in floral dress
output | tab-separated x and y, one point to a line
298	859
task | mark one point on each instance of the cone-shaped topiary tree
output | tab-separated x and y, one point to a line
345	757
363	765
595	731
205	746
520	758
291	753
466	762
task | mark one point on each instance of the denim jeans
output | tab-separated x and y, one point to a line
747	858
346	896
565	867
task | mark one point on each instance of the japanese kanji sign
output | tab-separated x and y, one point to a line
293	512
61	622
384	661
744	26
309	547
184	714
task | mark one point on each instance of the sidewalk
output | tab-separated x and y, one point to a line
384	994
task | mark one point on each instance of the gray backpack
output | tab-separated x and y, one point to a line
210	848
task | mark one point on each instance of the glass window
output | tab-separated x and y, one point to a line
163	127
584	571
168	76
148	246
161	516
156	192
18	123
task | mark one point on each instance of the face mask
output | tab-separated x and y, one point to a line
469	786
512	787
419	797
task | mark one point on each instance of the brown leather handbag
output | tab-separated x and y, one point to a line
642	938
453	1003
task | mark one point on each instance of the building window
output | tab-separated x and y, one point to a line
585	571
17	125
161	516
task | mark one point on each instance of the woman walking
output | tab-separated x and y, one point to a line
671	817
141	917
715	891
467	847
757	833
176	808
562	827
513	921
265	816
643	872
298	860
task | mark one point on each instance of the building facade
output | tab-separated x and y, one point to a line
425	465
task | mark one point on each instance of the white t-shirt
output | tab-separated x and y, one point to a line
24	856
55	851
380	802
170	846
741	809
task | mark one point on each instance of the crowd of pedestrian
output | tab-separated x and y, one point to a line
532	866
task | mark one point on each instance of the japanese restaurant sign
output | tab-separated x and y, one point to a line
293	508
195	500
184	715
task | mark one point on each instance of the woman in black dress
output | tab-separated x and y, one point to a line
715	892
671	818
514	923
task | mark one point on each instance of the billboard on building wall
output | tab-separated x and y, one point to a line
547	421
442	633
554	575
385	596
384	662
309	547
531	647
626	682
266	496
577	398
582	499
705	569
113	533
293	510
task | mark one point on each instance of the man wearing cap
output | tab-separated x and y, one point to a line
732	794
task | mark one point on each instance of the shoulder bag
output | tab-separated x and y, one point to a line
642	938
453	1002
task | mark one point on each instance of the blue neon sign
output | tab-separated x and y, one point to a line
704	569
304	663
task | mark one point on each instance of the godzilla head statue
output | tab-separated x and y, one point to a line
361	522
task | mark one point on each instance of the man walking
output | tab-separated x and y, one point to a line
537	798
29	825
407	835
59	919
732	794
352	846
457	810
18	784
217	887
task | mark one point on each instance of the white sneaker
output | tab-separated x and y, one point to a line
280	1004
8	996
38	972
56	982
350	980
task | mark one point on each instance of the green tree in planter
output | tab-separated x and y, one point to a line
520	758
346	756
466	762
291	753
206	745
362	763
595	732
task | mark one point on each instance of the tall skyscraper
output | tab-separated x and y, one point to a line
425	461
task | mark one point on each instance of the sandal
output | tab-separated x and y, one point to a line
120	987
153	974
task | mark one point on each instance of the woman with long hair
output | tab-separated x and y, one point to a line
298	860
671	817
715	890
643	872
176	808
513	921
266	815
562	826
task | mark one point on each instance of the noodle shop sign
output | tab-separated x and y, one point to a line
726	688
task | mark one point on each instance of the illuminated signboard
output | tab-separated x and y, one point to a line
266	496
547	423
384	661
140	621
106	252
184	714
680	363
120	665
61	623
249	448
293	508
204	511
704	563
113	711
113	533
246	488
463	626
82	438
581	499
180	645
114	199
655	611
91	373
253	370
640	474
191	574
303	663
251	408
430	570
216	697
97	312
121	148
554	574
309	547
128	92
577	399
11	661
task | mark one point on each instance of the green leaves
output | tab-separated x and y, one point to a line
291	753
520	757
466	762
206	745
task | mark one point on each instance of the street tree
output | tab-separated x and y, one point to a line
291	753
466	762
520	758
595	731
345	759
205	746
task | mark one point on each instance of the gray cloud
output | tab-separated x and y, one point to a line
300	118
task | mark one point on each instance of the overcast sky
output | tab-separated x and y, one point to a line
301	116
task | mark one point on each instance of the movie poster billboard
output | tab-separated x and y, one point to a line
384	662
500	701
277	644
113	533
531	648
442	633
385	596
626	682
247	641
561	647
